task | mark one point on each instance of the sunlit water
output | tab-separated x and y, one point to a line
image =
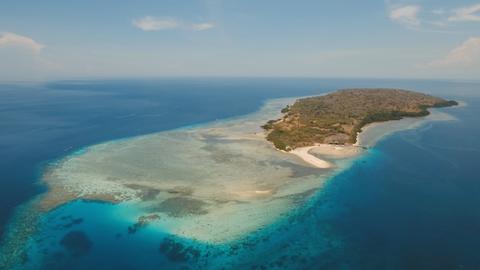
406	203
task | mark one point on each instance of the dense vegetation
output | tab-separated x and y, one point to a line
336	118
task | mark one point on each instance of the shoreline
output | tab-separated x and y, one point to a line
318	155
369	136
303	153
268	201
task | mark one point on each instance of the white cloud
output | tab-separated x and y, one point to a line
12	39
149	23
202	26
467	54
470	13
406	15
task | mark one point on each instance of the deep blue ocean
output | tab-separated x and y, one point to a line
411	203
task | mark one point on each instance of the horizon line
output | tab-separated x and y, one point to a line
126	78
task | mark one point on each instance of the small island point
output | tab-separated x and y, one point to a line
336	119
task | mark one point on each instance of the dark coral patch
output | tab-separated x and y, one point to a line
75	221
142	222
76	243
178	252
182	206
69	222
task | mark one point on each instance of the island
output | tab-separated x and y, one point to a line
215	185
338	117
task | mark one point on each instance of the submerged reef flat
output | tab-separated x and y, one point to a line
211	183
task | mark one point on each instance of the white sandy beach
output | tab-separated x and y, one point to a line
303	153
316	155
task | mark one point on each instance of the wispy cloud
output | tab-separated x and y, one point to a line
12	39
405	15
470	13
202	26
467	54
150	23
435	20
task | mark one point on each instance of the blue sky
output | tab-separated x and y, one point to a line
42	40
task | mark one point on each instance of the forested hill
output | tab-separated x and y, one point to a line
336	118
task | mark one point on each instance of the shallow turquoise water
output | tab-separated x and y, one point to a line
409	203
